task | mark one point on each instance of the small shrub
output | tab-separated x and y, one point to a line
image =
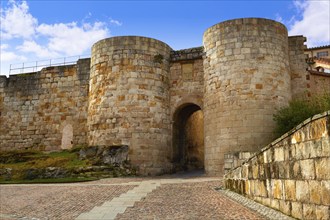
298	111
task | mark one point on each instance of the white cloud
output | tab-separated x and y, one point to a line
17	22
115	22
314	24
29	40
30	46
71	39
8	56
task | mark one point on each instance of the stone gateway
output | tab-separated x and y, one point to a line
173	109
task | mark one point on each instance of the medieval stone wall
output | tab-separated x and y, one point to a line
186	78
137	91
247	77
129	100
299	76
292	174
319	83
45	110
186	107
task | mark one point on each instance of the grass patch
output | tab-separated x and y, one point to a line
25	159
30	166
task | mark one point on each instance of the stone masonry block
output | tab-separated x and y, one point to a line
247	187
262	188
314	191
302	191
285	207
315	148
326	147
290	190
296	211
274	203
279	154
255	171
307	169
295	170
325	192
283	169
322	168
322	212
277	191
309	211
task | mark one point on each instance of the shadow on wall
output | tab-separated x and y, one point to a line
188	138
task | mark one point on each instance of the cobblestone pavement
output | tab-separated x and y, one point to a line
171	197
62	201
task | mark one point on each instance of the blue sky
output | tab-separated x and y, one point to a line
41	30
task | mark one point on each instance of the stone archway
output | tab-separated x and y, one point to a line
188	138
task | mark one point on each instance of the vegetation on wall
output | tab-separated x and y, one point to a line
32	166
298	111
158	58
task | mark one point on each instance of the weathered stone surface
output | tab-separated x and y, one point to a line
110	155
274	203
299	185
315	195
279	154
129	100
307	169
285	207
290	190
302	191
297	211
309	211
322	168
325	192
277	191
322	212
131	88
225	76
38	109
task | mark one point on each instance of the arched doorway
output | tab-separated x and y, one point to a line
188	138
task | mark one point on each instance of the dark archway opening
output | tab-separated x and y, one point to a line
188	138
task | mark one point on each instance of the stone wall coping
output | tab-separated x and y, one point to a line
287	134
313	72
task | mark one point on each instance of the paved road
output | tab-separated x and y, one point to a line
166	197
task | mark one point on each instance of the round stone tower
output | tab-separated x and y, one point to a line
129	99
246	78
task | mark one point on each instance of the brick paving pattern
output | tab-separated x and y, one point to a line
65	201
152	198
188	201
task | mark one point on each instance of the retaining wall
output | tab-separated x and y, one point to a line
292	174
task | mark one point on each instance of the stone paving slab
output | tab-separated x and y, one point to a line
109	210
